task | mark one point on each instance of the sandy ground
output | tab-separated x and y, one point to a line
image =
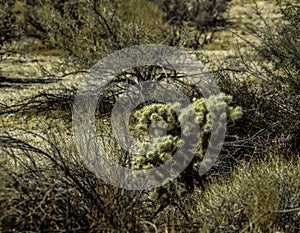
24	76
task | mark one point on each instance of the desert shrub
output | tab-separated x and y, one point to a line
278	48
9	29
144	12
257	197
270	117
260	196
201	14
264	82
48	188
204	16
87	30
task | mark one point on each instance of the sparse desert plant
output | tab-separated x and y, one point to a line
204	16
9	29
48	188
86	30
200	14
264	82
278	50
260	196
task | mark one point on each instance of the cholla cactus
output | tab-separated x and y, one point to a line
158	144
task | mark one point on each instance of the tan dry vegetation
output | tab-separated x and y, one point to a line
257	195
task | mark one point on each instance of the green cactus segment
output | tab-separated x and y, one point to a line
158	129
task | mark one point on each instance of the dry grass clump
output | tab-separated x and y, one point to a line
265	86
46	187
258	197
261	196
